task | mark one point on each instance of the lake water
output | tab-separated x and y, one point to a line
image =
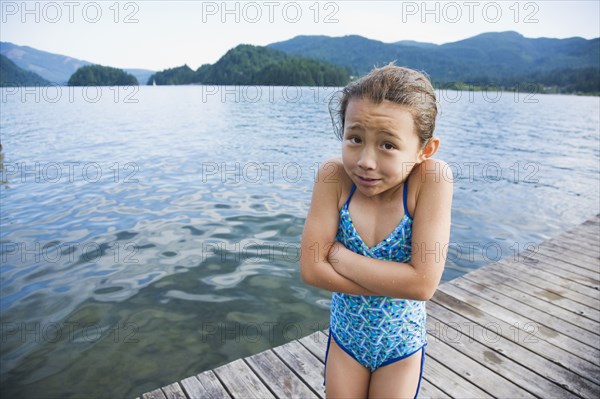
148	235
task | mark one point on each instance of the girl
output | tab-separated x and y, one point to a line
377	232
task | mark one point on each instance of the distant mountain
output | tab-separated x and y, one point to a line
501	58
55	68
416	44
505	59
256	65
11	75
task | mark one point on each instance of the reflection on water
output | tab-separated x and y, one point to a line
2	172
145	242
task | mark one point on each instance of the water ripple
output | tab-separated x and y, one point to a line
195	219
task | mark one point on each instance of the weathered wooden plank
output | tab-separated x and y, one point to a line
204	386
527	294
556	265
450	304
491	348
173	391
540	269
577	258
507	368
453	384
573	261
304	364
522	323
592	264
579	237
589	227
587	238
552	284
316	343
560	291
551	267
241	382
532	314
579	234
484	378
429	391
564	263
278	377
156	394
212	386
570	244
579	250
194	389
582	233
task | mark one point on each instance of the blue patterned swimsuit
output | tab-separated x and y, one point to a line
378	330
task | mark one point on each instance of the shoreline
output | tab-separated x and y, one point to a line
471	89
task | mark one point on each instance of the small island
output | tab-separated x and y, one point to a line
98	75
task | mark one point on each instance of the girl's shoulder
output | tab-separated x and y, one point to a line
431	171
332	173
428	176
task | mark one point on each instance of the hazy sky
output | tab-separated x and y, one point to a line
163	34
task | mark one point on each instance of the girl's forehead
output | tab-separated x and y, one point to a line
386	112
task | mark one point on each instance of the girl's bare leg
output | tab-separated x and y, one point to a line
345	377
397	380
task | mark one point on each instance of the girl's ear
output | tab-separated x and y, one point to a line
430	149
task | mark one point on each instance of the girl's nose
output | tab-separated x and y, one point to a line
367	160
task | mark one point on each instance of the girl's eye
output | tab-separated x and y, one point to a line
354	140
389	146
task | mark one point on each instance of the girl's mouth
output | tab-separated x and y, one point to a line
367	182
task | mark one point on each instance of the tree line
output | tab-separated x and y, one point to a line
256	65
98	75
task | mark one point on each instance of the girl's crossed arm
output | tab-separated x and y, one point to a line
420	278
319	234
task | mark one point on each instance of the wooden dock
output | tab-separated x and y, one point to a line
526	326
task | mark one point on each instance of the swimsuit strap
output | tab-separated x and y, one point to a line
350	196
404	196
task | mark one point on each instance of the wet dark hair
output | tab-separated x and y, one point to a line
403	86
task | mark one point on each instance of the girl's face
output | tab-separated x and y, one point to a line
380	146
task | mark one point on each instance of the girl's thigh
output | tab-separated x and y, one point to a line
345	377
397	380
